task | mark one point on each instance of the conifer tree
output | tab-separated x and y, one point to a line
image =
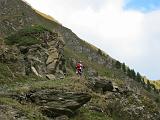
124	67
138	77
100	52
128	72
118	65
148	85
133	74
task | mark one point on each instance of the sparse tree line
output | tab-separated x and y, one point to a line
136	76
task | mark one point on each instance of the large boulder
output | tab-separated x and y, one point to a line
102	84
56	103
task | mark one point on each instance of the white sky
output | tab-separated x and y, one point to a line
129	36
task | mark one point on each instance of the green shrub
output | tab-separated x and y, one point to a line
25	36
5	74
124	67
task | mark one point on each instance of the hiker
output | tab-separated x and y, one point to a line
79	68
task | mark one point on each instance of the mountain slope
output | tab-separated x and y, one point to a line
15	14
27	58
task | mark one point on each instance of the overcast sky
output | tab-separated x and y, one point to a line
128	30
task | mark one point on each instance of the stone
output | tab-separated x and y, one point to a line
35	71
50	76
51	68
52	57
95	108
23	49
63	117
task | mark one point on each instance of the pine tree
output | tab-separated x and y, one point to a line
138	77
128	72
100	52
142	81
133	74
148	85
124	67
118	65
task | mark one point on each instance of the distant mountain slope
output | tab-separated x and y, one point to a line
15	14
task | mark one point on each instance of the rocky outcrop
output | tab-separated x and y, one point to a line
100	84
55	103
42	59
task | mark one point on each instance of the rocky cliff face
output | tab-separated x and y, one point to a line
44	58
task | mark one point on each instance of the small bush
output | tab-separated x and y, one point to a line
157	100
5	74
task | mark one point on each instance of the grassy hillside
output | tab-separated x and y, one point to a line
24	84
91	111
156	83
46	16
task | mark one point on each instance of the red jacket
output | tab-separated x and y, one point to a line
79	66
